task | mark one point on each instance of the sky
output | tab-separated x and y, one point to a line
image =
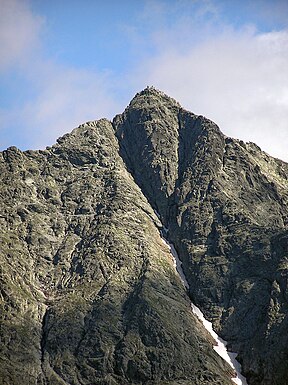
64	62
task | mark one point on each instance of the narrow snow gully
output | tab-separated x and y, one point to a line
220	348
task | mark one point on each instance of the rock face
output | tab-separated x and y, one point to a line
225	204
89	294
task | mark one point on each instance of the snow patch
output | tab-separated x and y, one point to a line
220	347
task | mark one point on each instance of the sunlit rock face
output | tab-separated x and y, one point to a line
89	293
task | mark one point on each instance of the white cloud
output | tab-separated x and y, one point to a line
239	79
62	96
67	97
19	32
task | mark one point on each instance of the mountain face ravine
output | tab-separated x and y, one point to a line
220	345
89	293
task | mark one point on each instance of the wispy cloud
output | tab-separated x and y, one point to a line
62	96
238	78
235	75
19	32
67	97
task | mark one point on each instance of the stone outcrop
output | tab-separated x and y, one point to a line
89	294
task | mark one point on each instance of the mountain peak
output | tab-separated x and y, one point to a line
152	96
150	90
81	249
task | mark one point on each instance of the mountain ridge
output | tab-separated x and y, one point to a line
76	220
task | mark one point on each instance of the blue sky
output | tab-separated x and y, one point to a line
64	62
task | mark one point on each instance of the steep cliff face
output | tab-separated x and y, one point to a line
88	292
225	204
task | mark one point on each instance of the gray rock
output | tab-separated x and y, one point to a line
89	294
225	205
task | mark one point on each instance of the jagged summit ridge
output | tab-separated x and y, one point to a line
151	91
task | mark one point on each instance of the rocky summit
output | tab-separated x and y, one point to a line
89	293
